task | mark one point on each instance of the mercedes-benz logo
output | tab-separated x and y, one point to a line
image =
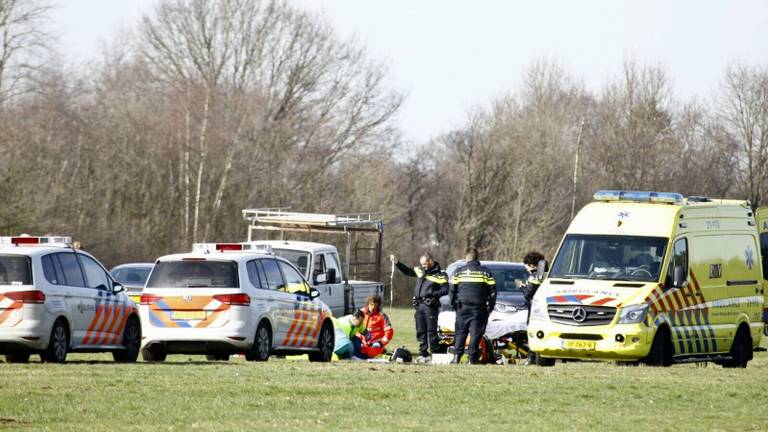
187	299
579	314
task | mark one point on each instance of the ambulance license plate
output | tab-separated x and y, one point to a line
188	315
579	344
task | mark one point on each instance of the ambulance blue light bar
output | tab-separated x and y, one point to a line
639	196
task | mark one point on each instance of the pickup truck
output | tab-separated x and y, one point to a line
321	266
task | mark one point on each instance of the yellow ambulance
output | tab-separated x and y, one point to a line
762	229
653	277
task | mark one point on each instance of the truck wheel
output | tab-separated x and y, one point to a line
131	342
262	344
58	345
325	344
661	349
741	350
19	357
217	357
153	354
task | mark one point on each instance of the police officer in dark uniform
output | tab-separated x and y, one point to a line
532	260
431	284
473	295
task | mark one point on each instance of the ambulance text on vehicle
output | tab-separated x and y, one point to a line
654	277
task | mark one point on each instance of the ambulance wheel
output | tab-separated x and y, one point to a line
153	354
131	342
741	350
217	357
262	344
58	345
325	345
661	349
543	361
19	357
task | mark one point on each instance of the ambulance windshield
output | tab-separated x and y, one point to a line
610	257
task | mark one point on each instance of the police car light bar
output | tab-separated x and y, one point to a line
229	247
639	196
26	240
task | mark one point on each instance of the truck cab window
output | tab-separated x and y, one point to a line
678	258
332	262
319	266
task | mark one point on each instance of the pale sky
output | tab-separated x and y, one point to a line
451	56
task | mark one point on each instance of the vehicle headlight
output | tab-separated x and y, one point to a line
539	311
501	307
633	314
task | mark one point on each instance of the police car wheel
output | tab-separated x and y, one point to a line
153	354
131	342
324	344
262	344
58	345
21	357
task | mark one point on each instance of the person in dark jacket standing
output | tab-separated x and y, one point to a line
431	284
473	295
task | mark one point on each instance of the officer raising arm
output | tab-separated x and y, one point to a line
473	295
431	284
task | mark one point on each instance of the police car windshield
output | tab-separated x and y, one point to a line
14	270
609	257
132	275
508	279
194	274
300	259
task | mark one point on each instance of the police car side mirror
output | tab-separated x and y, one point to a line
117	288
313	293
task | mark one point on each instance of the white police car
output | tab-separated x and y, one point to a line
55	300
229	298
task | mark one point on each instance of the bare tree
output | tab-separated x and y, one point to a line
744	111
22	39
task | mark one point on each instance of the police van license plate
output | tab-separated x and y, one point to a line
188	315
579	344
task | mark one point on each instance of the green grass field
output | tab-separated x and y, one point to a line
187	393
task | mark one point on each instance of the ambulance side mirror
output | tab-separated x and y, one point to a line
541	269
679	277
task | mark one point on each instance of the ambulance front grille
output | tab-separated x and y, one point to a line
595	315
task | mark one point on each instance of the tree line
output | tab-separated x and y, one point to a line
210	107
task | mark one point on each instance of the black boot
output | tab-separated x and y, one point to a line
456	359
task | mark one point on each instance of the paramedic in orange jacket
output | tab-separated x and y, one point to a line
378	332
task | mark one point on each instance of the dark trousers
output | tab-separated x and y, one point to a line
470	319
426	328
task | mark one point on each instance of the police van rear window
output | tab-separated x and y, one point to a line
15	270
194	274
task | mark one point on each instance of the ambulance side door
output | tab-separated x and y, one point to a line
743	286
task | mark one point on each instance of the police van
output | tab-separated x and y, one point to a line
653	277
55	299
227	298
